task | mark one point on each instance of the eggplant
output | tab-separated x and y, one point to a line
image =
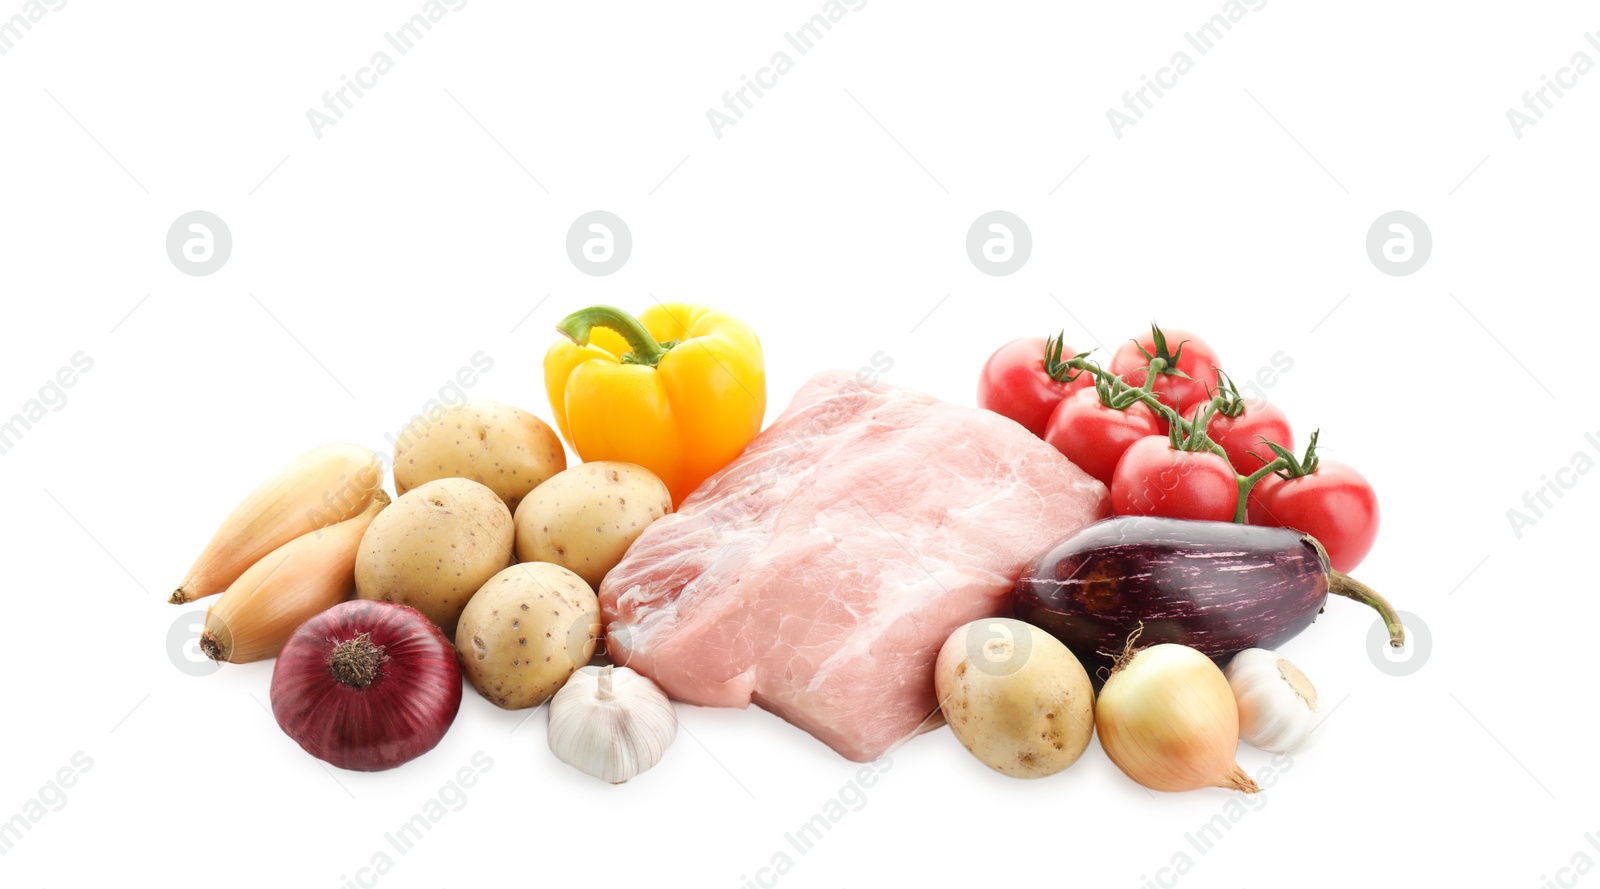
1218	587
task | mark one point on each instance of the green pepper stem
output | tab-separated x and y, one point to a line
645	350
1341	584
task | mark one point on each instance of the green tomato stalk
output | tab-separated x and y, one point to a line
1185	434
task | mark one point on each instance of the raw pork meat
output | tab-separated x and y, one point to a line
819	573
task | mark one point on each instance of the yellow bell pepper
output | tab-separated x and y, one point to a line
680	390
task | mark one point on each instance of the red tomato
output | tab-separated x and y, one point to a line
1196	359
1153	479
1014	384
1334	504
1241	435
1094	436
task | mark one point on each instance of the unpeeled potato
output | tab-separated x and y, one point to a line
585	518
434	547
1015	697
525	633
504	448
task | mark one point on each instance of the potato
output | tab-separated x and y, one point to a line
434	547
526	632
1015	697
585	518
504	448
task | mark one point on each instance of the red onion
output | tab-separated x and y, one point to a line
367	685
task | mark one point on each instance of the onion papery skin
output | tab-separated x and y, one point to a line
396	718
1168	720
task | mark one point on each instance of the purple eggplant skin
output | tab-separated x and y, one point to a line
1218	587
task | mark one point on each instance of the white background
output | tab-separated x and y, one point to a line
429	224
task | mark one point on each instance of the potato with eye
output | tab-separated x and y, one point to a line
1015	697
435	546
586	517
525	633
504	448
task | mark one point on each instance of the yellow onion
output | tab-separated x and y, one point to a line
1168	719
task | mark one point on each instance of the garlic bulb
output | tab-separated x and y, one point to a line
1278	707
611	723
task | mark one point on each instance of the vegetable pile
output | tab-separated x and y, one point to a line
1177	586
486	564
1156	627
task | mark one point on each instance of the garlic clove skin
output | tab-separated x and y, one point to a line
1279	710
611	722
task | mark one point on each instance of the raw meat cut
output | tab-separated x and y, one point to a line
819	573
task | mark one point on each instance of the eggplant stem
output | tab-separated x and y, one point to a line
1341	584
